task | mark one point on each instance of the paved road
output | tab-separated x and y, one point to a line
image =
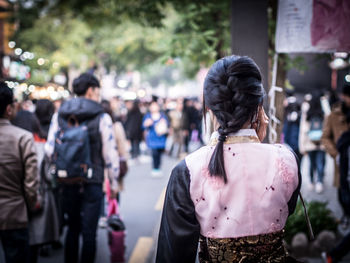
141	204
328	195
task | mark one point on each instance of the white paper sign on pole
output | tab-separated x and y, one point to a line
313	26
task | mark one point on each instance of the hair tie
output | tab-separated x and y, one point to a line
222	138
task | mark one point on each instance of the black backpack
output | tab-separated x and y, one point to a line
72	153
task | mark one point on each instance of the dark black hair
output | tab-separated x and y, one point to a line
44	110
333	97
106	105
83	82
315	109
346	89
347	116
291	109
6	97
233	91
136	106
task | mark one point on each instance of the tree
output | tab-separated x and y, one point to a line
197	33
66	41
58	42
200	34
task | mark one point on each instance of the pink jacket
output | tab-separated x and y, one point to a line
261	181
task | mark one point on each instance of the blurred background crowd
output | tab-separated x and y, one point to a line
150	60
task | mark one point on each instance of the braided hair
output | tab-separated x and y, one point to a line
233	92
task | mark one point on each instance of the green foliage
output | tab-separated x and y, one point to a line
63	40
27	12
70	41
297	62
201	33
197	31
129	45
125	34
39	77
105	12
131	34
320	217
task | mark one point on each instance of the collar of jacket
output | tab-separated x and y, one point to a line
242	136
81	107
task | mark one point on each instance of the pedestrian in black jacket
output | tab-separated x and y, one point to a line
343	147
27	120
82	201
44	111
133	127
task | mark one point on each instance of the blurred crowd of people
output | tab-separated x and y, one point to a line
173	126
317	126
116	129
36	204
313	126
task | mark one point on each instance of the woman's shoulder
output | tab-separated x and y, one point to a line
287	159
284	150
199	155
181	167
277	147
281	151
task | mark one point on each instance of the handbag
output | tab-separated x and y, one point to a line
116	230
161	127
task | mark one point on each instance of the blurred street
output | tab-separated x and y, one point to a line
141	204
98	97
329	195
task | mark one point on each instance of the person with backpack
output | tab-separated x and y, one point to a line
311	125
81	145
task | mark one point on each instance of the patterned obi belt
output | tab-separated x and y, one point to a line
267	248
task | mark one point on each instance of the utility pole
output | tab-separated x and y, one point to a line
249	32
